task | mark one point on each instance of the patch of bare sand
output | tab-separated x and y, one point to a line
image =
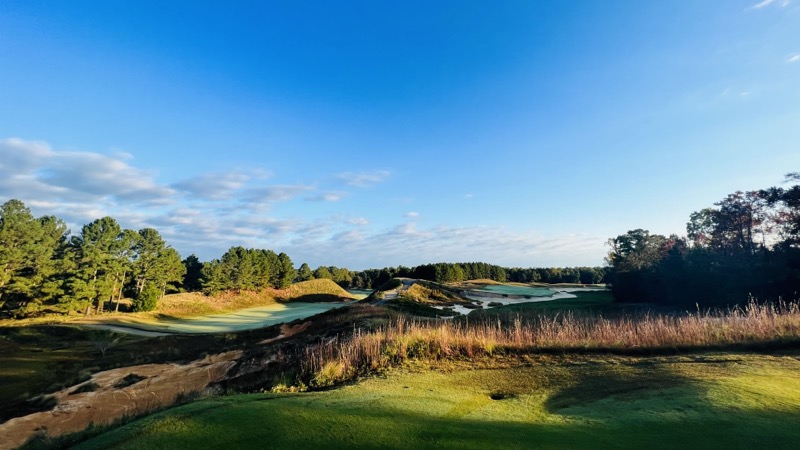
161	386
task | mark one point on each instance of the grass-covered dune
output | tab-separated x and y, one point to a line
319	290
196	304
704	401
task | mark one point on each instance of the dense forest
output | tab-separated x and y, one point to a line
746	246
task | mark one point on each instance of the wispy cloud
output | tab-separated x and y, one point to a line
408	244
34	170
765	3
363	179
265	195
216	186
327	197
411	215
793	58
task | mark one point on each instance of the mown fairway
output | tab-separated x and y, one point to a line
510	289
700	401
243	319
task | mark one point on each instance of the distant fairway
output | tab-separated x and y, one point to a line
509	289
699	401
243	319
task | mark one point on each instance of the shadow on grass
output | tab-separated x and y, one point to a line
619	384
318	298
300	422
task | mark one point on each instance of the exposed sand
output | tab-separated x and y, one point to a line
74	412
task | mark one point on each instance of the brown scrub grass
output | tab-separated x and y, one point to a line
368	351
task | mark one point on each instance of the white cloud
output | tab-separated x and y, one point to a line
218	186
34	170
766	3
409	245
793	58
265	195
327	197
363	179
411	215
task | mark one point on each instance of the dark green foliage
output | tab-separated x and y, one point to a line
323	272
457	272
304	273
286	272
147	299
242	269
745	246
31	254
43	270
194	273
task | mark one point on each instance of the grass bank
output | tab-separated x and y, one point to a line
704	401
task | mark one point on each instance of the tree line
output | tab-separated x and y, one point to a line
458	272
746	245
43	267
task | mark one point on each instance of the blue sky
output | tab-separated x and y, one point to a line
367	134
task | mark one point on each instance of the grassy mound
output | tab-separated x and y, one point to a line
702	401
190	304
320	290
431	293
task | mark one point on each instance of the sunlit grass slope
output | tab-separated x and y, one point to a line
703	401
320	290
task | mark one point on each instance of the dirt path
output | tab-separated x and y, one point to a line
160	386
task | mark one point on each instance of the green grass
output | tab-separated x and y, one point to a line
523	291
320	290
588	302
702	401
243	319
360	294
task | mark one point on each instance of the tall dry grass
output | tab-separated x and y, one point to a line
366	351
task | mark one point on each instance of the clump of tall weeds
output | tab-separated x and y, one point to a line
368	351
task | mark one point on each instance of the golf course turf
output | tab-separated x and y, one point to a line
716	400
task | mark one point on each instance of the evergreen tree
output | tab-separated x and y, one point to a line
304	273
194	273
323	272
286	271
93	252
30	253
